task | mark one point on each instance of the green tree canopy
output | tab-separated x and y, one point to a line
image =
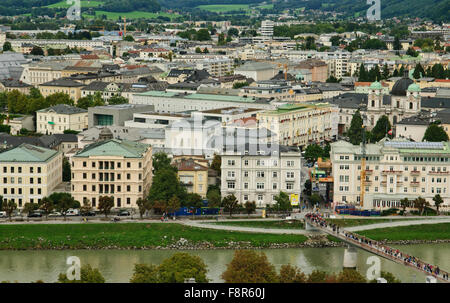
435	133
382	127
249	266
356	127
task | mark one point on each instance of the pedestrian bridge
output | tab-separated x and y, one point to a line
376	248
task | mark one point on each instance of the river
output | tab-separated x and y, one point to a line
117	265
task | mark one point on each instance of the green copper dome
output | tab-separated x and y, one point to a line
376	85
414	88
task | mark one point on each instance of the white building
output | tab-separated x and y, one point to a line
394	170
258	173
267	28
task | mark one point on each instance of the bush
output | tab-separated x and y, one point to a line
389	212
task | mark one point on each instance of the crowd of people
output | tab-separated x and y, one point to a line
317	219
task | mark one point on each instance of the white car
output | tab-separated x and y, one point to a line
3	214
55	214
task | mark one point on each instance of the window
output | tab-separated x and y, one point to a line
260	185
274	174
231	185
231	173
231	162
245	162
289	163
128	164
290	174
245	185
128	188
274	186
245	173
289	185
260	174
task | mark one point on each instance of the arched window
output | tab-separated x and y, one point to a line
410	105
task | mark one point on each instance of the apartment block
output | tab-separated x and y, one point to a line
301	124
29	173
259	172
112	167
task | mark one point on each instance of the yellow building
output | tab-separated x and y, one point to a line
118	168
193	175
301	124
29	173
69	87
61	117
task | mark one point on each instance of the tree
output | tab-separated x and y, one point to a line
7	46
291	274
389	277
182	266
315	199
37	51
144	273
86	207
418	71
363	76
87	275
105	204
143	205
117	100
355	131
283	203
9	207
308	188
318	276
230	203
202	35
420	203
173	204
67	171
193	200
29	208
437	202
198	50
385	73
160	161
397	45
248	266
63	202
232	31
46	205
128	38
216	164
313	152
214	198
404	203
382	127
350	276
165	185
250	207
435	133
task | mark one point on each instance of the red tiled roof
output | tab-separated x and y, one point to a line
89	57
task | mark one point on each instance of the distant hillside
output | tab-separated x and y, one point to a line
438	10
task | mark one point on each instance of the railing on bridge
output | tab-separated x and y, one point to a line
378	248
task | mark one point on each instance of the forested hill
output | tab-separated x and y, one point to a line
438	10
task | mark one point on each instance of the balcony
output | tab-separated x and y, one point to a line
231	178
415	172
391	172
383	183
187	183
368	171
414	183
433	172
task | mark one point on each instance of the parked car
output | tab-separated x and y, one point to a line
34	215
73	212
3	214
55	214
123	213
89	214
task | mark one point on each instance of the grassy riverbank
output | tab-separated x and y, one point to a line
425	232
282	224
131	235
359	222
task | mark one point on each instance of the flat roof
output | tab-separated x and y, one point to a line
236	110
